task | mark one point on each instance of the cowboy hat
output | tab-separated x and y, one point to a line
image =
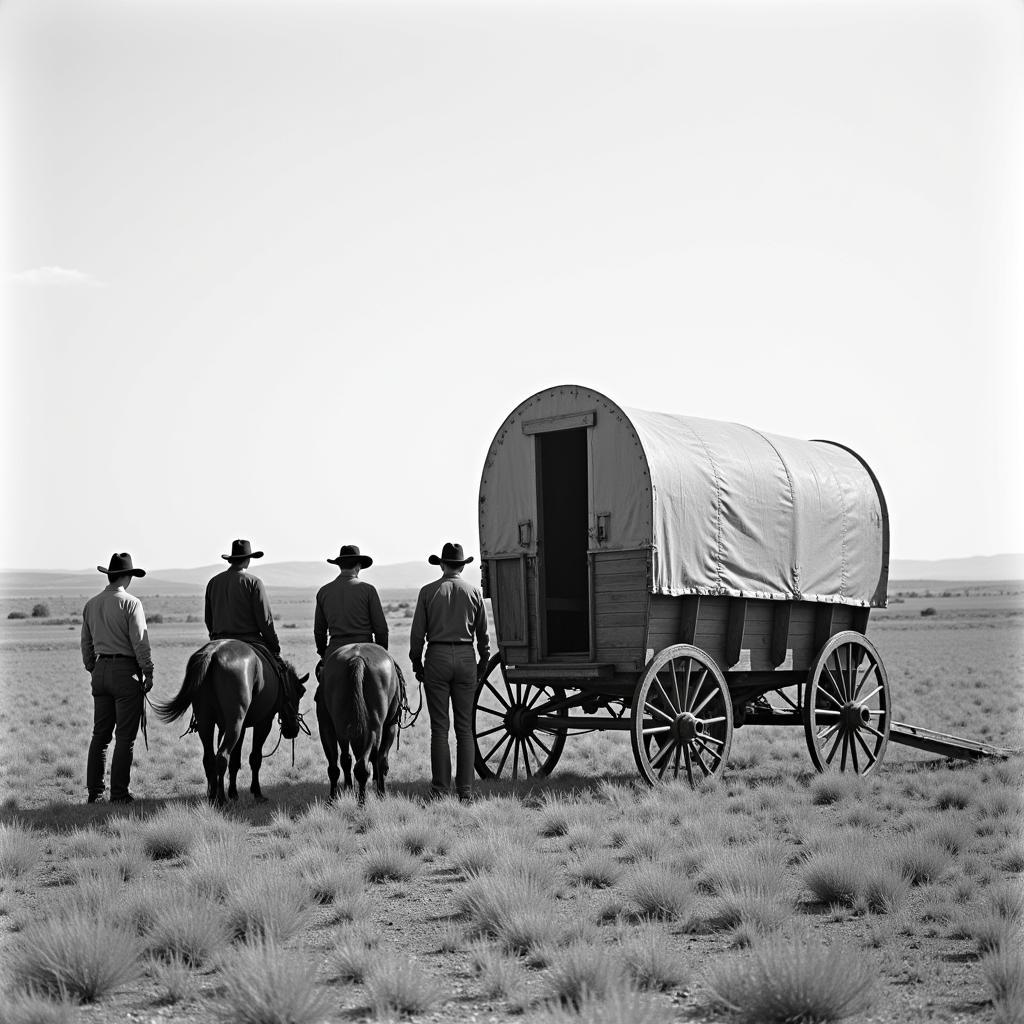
121	565
241	549
350	553
451	553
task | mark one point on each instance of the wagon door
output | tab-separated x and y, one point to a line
563	519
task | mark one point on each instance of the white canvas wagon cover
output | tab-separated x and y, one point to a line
723	508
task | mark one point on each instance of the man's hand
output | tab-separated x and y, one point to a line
417	670
481	669
147	681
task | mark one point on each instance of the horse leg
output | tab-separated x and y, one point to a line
260	733
205	730
362	770
230	738
383	764
234	764
329	741
346	762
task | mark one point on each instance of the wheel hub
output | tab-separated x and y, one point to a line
854	715
517	721
687	727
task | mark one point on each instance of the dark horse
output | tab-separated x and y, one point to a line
227	684
360	704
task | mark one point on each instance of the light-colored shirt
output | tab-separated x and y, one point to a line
449	610
350	610
237	606
113	622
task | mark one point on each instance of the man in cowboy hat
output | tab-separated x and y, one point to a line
348	608
115	651
237	606
449	616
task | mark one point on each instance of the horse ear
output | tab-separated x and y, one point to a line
304	678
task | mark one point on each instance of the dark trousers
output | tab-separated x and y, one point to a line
449	675
117	710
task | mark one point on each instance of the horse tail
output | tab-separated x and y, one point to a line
356	717
400	696
195	673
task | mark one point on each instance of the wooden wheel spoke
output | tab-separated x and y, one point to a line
874	732
675	691
526	757
656	729
864	700
837	688
867	750
504	757
846	743
703	704
853	752
661	690
700	760
825	733
697	687
515	758
488	732
491	711
826	713
674	745
540	743
712	721
822	692
713	754
662	753
871	670
648	706
501	700
832	752
708	738
536	697
686	683
688	762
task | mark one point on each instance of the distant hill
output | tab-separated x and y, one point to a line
402	576
410	576
979	568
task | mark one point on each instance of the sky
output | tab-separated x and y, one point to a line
280	269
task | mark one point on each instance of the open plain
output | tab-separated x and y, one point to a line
772	894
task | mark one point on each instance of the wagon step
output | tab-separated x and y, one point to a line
943	743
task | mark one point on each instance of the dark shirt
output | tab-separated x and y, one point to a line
349	609
449	610
237	606
113	622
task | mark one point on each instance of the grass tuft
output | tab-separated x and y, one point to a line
398	986
75	956
1003	969
798	981
581	971
21	850
658	892
268	903
32	1008
264	984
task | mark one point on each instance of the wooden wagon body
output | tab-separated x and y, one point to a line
676	577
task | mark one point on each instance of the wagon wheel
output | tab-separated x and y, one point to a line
846	706
511	738
682	717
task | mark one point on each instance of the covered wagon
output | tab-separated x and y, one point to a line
676	577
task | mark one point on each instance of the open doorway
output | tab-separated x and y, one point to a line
563	540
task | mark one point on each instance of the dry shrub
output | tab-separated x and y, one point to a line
841	874
620	1006
352	958
170	833
32	1008
921	858
21	850
187	928
649	959
268	903
800	980
598	868
215	865
760	868
76	956
174	976
581	971
657	891
500	974
396	985
389	862
1003	969
264	984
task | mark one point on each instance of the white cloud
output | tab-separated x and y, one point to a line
60	277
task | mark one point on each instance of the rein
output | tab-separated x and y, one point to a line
405	712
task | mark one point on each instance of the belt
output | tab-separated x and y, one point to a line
451	643
126	657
